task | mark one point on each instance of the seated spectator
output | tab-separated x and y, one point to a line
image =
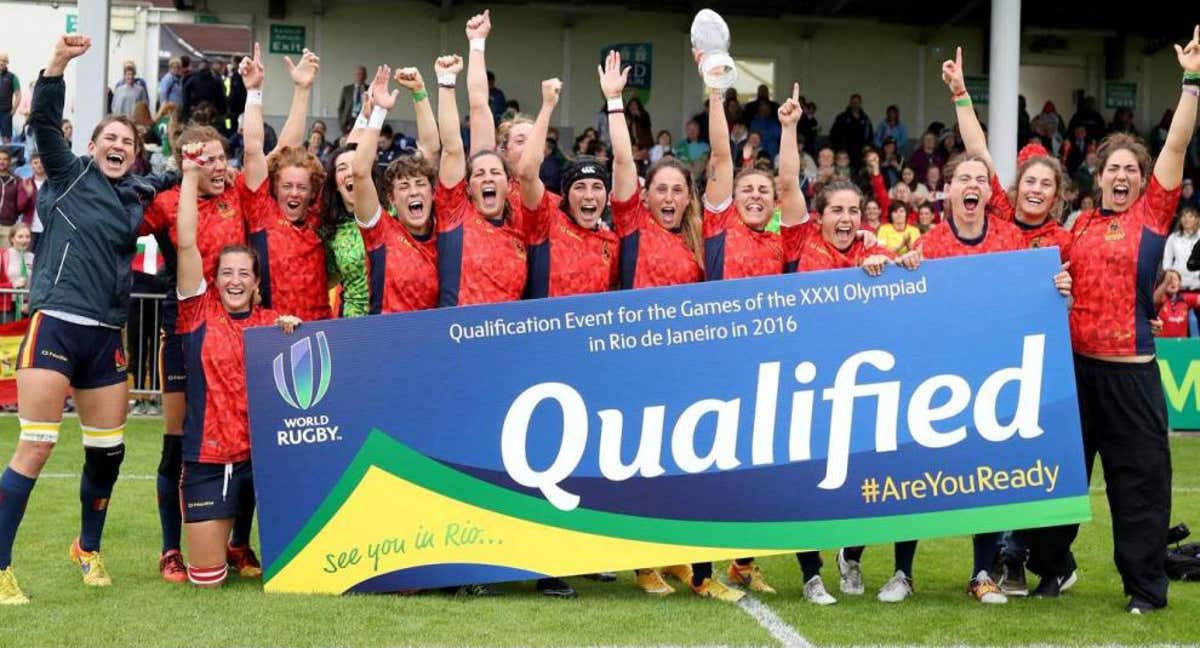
1084	177
808	167
1179	248
692	151
926	155
392	145
1075	149
755	108
891	128
933	183
1123	122
16	267
1087	202
842	165
661	148
768	128
165	127
9	184
897	234
1187	195
553	164
1174	306
891	162
871	215
752	151
926	217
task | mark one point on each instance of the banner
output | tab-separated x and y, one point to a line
1179	364
11	334
659	426
639	58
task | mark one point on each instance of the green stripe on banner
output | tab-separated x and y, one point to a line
387	454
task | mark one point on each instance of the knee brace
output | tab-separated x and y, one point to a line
170	465
39	431
102	465
207	576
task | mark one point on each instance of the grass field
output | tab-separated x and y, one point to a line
142	610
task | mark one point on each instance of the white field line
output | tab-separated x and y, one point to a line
784	633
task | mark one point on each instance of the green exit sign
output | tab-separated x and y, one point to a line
72	23
287	39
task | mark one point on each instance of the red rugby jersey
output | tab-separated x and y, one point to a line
1114	262
401	269
1174	314
650	255
221	222
564	258
1048	234
813	252
733	250
291	257
216	426
479	261
942	241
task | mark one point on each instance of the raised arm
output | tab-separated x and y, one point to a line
612	84
528	169
49	95
968	122
791	199
453	165
428	142
366	198
254	163
1168	169
720	158
190	267
303	75
483	122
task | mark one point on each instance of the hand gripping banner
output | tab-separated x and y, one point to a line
653	427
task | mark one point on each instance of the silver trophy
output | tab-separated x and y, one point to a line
710	36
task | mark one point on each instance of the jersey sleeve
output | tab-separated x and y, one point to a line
191	308
1160	206
158	216
999	203
1191	299
451	204
793	240
535	223
257	204
717	217
627	215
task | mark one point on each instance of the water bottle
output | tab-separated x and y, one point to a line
710	36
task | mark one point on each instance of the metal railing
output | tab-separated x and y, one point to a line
141	335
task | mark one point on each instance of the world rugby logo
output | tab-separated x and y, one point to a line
302	393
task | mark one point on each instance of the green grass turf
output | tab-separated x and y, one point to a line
142	610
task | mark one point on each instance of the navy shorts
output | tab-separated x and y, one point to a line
215	491
89	356
171	373
6	128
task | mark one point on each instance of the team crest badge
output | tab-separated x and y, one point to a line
226	210
1114	232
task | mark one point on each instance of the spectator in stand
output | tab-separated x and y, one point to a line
497	102
1123	122
392	145
165	126
825	164
754	108
891	127
897	234
925	156
350	103
1174	307
1084	177
9	192
1187	195
170	86
661	148
808	126
926	217
891	162
27	193
701	118
1087	202
1088	117
752	152
872	215
10	99
599	150
317	145
554	164
768	129
692	151
852	130
1179	248
68	129
1050	114
203	87
808	167
950	143
16	266
236	100
1158	136
1023	126
128	92
639	125
1074	150
936	187
917	188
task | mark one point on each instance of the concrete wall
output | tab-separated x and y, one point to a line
885	63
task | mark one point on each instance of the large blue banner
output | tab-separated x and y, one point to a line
637	428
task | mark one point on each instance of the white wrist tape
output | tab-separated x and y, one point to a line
378	116
616	103
447	78
360	122
254	97
478	44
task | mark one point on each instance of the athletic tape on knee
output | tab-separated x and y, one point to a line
39	432
94	437
207	576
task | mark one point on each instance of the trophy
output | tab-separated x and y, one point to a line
710	37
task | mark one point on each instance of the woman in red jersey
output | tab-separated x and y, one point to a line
571	251
481	248
737	208
217	483
280	199
401	249
1035	204
660	226
1174	306
1114	259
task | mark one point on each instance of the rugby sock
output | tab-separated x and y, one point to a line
744	562
905	552
101	465
207	576
810	564
986	546
243	523
170	466
14	495
701	571
853	553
